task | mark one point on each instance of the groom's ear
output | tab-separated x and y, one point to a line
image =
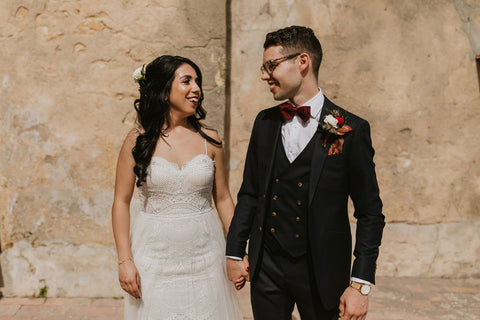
304	62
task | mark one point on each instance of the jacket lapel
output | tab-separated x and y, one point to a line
273	131
319	154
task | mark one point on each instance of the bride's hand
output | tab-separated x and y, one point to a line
130	278
239	283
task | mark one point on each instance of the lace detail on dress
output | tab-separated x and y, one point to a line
170	190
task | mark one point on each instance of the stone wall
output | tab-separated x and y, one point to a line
409	68
66	99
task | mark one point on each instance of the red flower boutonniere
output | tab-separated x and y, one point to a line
334	123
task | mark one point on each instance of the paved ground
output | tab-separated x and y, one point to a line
392	299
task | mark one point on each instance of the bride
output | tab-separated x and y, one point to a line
172	256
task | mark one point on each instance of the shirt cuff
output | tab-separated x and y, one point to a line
360	281
234	258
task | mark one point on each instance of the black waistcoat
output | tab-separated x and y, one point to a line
286	223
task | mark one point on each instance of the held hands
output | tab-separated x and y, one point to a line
130	278
353	305
237	271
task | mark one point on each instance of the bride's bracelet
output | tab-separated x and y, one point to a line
124	260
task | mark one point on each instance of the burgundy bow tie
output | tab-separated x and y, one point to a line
288	112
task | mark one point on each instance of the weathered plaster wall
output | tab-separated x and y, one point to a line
409	68
66	101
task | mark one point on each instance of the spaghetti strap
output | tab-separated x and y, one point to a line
206	145
138	130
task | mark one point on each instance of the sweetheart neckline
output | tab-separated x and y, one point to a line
180	168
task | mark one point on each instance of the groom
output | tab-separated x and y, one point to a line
306	156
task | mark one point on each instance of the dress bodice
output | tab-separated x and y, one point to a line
170	189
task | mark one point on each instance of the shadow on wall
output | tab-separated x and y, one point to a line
1	276
477	59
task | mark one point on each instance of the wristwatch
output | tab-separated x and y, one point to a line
363	288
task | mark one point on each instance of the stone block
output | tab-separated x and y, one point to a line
439	250
65	270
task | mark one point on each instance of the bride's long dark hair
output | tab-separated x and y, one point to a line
153	109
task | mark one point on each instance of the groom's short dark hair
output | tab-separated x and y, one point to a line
298	39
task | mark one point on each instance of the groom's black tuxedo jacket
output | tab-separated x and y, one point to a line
332	180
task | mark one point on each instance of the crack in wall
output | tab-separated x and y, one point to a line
228	83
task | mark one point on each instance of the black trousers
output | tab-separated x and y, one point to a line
280	283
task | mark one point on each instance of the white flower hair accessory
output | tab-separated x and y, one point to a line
139	75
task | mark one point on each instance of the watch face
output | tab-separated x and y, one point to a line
365	289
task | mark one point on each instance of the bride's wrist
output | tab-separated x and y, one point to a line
124	260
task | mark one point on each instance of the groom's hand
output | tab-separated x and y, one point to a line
237	272
246	265
353	305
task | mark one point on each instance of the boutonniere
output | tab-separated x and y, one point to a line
334	123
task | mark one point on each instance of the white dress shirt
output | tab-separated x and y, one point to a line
295	133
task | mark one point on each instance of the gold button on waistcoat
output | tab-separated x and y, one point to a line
299	202
297	219
297	236
274	214
272	230
300	184
277	180
275	197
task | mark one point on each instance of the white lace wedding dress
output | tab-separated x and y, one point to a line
178	247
